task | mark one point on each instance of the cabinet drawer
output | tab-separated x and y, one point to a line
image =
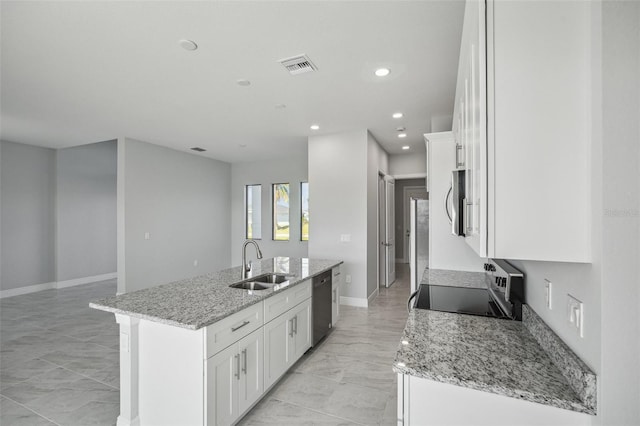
233	328
281	303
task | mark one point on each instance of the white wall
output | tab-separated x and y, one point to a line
183	202
27	190
338	205
292	169
86	206
377	162
406	165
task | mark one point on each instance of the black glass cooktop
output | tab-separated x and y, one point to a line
462	300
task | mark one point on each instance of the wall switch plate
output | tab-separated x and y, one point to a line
195	262
548	291
147	236
575	314
347	279
345	238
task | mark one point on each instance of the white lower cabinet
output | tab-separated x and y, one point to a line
234	379
424	402
286	339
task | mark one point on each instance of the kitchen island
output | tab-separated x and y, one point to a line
197	351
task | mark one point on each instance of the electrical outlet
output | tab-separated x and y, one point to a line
147	236
548	291
345	238
347	279
575	314
195	262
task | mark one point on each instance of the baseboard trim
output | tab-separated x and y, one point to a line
26	290
372	296
353	301
86	280
56	285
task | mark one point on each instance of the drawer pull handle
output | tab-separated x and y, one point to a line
291	328
240	326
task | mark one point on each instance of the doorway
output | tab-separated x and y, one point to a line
386	231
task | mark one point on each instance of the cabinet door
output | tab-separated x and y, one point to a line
251	381
277	339
301	321
223	374
475	93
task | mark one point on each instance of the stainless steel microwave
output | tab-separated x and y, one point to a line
457	202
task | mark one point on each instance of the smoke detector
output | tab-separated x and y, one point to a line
298	64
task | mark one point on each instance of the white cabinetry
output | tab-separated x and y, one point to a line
335	295
287	338
522	126
423	402
234	380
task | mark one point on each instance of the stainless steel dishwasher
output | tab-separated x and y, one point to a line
321	305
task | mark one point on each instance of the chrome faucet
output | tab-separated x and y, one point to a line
246	267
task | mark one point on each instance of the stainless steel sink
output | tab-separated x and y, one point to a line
262	282
249	285
271	278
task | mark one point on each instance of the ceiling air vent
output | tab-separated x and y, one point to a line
298	64
198	149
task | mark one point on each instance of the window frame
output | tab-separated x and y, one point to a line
302	211
246	211
273	211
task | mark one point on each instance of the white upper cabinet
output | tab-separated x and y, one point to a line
522	123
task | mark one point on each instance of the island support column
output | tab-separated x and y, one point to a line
128	371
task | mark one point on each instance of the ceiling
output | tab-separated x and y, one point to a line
83	72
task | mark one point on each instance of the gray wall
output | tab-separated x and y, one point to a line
292	169
27	189
183	201
86	205
338	179
400	208
407	164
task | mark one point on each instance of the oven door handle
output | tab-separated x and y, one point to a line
410	299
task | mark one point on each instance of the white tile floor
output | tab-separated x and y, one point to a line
59	364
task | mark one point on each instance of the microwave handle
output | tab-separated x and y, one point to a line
467	216
446	204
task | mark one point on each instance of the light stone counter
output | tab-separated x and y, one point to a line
493	355
200	301
448	278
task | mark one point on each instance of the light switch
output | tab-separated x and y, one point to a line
147	236
345	238
575	314
548	289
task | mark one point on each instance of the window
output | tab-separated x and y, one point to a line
304	211
280	211
253	218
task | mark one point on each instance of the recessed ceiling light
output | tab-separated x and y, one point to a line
405	147
243	82
382	72
402	135
188	44
314	127
397	115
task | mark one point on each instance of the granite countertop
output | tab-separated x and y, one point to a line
200	301
448	278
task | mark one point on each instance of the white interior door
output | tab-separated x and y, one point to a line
416	192
382	249
390	233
